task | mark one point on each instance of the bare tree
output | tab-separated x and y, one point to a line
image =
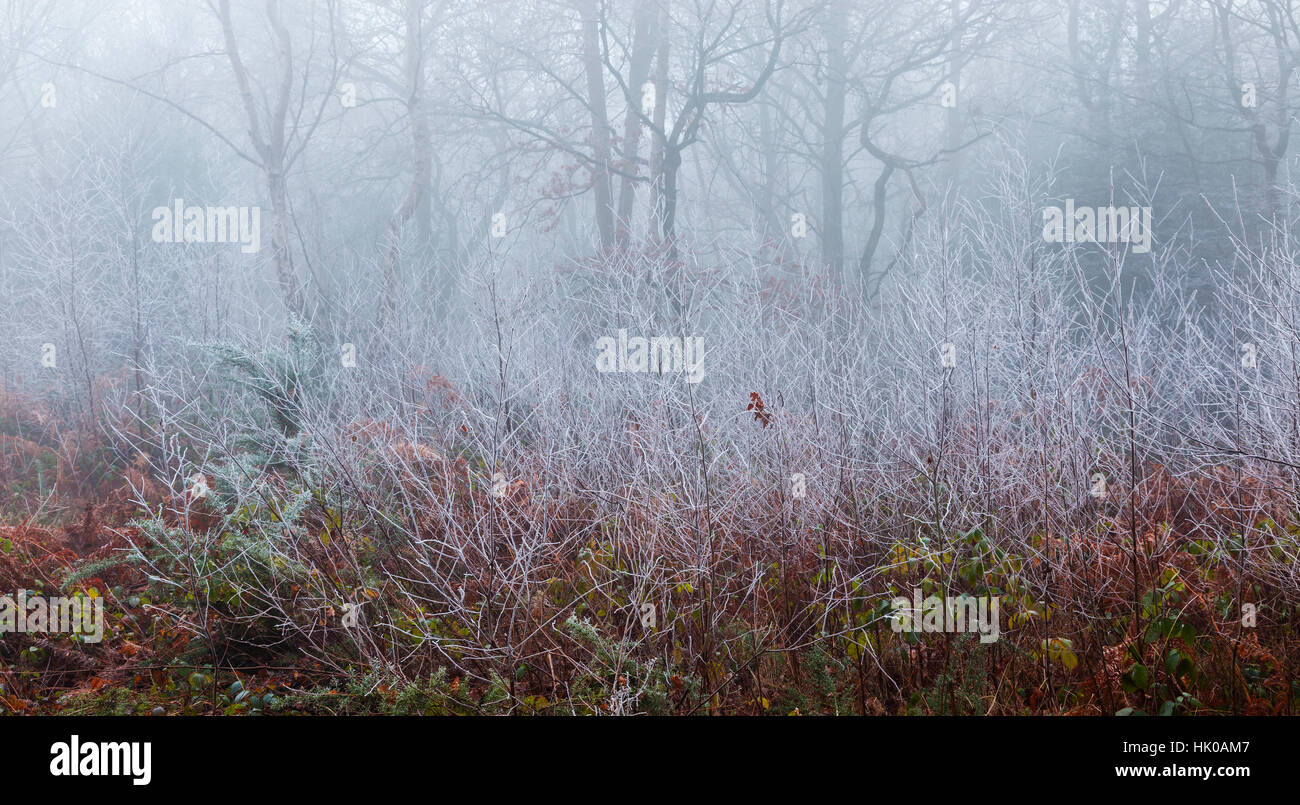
277	136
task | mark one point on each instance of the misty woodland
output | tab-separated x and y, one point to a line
672	357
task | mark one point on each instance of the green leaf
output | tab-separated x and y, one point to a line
1137	678
1172	660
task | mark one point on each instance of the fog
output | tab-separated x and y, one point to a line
529	329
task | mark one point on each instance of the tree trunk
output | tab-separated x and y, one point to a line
416	197
281	251
832	158
599	121
672	163
878	223
952	167
642	51
659	146
270	146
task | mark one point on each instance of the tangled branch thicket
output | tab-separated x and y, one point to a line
474	519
